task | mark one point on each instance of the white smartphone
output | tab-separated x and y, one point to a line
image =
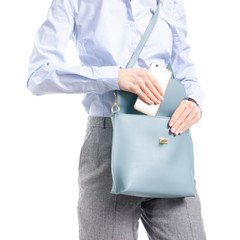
163	76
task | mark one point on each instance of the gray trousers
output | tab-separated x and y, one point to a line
106	216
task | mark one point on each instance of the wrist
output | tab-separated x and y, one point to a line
192	100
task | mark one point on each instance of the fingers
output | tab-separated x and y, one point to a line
185	124
141	82
154	84
186	114
149	91
142	95
156	93
176	116
185	127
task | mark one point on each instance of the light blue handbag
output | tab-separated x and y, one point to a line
147	160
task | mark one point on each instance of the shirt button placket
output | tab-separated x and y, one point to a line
133	43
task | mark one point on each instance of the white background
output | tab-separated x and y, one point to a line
41	136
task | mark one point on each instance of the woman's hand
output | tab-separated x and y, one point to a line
141	82
186	114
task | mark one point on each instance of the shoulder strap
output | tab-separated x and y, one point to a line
137	53
144	37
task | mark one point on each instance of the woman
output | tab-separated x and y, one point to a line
106	34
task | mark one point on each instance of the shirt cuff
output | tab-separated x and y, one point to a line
107	78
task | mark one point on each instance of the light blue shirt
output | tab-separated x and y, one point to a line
106	33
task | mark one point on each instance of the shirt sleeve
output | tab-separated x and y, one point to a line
182	66
49	73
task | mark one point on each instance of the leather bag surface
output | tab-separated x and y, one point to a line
147	160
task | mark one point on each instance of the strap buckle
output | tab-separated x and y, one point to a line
115	103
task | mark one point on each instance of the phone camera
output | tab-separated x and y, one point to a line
156	65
